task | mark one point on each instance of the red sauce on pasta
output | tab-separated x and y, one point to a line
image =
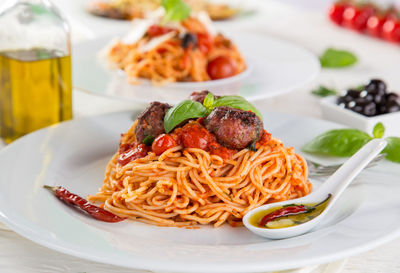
194	135
130	152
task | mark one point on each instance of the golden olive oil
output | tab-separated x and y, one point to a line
35	91
289	221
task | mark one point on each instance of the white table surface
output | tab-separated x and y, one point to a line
304	24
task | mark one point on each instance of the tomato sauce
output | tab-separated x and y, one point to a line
130	152
265	138
194	135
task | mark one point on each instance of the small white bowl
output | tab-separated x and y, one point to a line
332	111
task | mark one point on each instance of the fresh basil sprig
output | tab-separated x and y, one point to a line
323	91
333	58
189	109
342	142
346	142
175	10
392	149
185	110
379	130
237	102
208	102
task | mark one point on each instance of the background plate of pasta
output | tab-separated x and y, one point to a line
182	176
166	56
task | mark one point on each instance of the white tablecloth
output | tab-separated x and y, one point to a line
305	26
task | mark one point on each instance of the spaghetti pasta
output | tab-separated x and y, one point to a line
185	187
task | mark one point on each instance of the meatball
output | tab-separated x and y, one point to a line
200	96
151	121
234	128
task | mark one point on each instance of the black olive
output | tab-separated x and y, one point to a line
369	109
392	106
380	99
353	93
350	104
393	97
381	109
189	39
361	101
357	108
376	86
364	94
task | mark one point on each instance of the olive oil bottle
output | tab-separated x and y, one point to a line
35	68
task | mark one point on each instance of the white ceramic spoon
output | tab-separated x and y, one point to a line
334	185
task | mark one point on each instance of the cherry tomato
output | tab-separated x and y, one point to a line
336	11
221	67
374	25
132	152
155	30
162	143
356	18
204	42
391	30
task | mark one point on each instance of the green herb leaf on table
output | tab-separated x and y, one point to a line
323	91
341	142
392	149
333	58
379	130
209	102
175	10
185	110
237	102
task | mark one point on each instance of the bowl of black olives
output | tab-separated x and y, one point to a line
364	106
370	100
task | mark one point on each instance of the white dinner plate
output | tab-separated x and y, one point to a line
74	154
274	68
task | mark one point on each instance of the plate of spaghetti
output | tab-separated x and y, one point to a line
179	179
161	58
207	160
132	9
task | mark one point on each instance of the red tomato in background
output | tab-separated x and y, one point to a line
374	25
204	42
162	143
391	30
336	11
155	30
221	67
356	18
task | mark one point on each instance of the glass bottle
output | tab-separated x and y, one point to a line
35	67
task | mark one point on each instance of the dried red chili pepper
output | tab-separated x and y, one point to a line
286	211
77	201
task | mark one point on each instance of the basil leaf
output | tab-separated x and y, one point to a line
379	130
175	10
342	142
392	149
185	110
148	140
323	91
237	102
208	102
333	58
